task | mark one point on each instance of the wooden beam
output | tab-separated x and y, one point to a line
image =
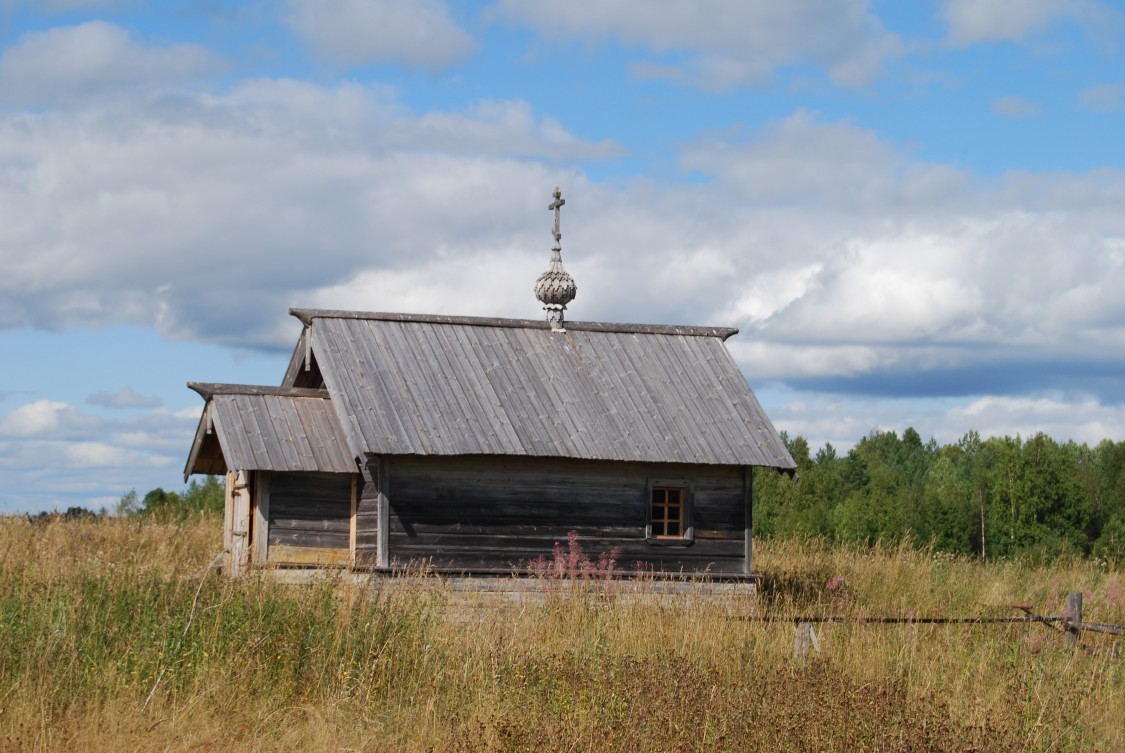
379	476
240	523
228	523
261	517
748	526
308	555
209	389
352	522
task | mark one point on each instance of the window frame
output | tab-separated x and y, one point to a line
687	537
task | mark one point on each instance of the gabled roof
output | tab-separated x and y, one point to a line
437	385
267	428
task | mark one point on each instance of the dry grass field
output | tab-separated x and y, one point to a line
116	636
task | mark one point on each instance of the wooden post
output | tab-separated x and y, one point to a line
383	510
1073	620
240	523
260	539
228	523
748	506
352	520
803	639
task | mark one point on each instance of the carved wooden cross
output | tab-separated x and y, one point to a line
554	206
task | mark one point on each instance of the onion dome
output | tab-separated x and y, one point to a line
555	288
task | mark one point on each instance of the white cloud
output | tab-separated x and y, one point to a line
1083	419
771	360
418	33
802	160
510	127
835	250
859	270
1013	106
974	21
842	420
126	211
39	417
54	455
480	283
88	60
52	420
732	43
80	455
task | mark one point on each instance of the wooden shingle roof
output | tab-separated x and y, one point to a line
404	384
267	428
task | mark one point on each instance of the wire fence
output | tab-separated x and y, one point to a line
1070	624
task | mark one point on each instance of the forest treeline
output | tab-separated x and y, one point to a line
200	498
995	497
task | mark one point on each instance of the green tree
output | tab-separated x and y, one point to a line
129	504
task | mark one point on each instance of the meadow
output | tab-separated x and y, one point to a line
117	634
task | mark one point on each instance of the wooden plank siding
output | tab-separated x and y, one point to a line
503	512
309	511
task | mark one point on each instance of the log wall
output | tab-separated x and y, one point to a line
309	511
502	512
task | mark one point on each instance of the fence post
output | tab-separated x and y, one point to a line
1073	619
802	639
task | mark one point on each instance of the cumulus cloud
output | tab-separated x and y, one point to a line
801	160
842	420
1083	419
417	33
973	21
90	59
124	398
34	418
844	259
727	43
191	211
59	421
54	455
917	279
81	455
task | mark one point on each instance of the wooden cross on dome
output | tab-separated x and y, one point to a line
555	206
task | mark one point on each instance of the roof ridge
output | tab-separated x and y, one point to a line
307	315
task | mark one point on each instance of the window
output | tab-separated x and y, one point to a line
669	513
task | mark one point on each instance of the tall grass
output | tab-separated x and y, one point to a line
116	635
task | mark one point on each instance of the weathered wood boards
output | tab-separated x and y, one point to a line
238	505
421	385
485	513
309	511
496	512
254	428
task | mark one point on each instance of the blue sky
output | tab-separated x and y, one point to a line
912	211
